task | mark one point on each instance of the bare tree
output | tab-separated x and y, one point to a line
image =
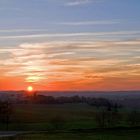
5	113
134	118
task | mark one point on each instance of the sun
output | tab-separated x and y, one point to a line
29	88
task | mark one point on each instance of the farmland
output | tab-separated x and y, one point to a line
72	121
63	117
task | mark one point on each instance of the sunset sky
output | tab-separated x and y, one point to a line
70	44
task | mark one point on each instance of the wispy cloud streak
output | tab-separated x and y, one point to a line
72	34
78	2
102	22
21	30
58	61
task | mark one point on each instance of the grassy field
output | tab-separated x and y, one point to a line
100	135
124	135
46	117
69	119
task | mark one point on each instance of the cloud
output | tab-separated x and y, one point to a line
20	30
100	22
68	60
78	34
77	2
60	54
81	2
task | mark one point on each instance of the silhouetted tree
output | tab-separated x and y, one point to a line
101	119
107	117
134	118
5	113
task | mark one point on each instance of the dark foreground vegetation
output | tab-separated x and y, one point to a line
88	135
75	117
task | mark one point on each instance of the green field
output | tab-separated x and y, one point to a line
67	122
122	135
44	117
100	135
65	116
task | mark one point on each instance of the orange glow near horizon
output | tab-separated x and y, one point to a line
37	67
114	83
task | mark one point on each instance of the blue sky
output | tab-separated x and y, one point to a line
98	37
61	16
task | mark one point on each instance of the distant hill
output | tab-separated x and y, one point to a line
127	98
108	94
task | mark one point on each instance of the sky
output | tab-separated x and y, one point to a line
70	44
